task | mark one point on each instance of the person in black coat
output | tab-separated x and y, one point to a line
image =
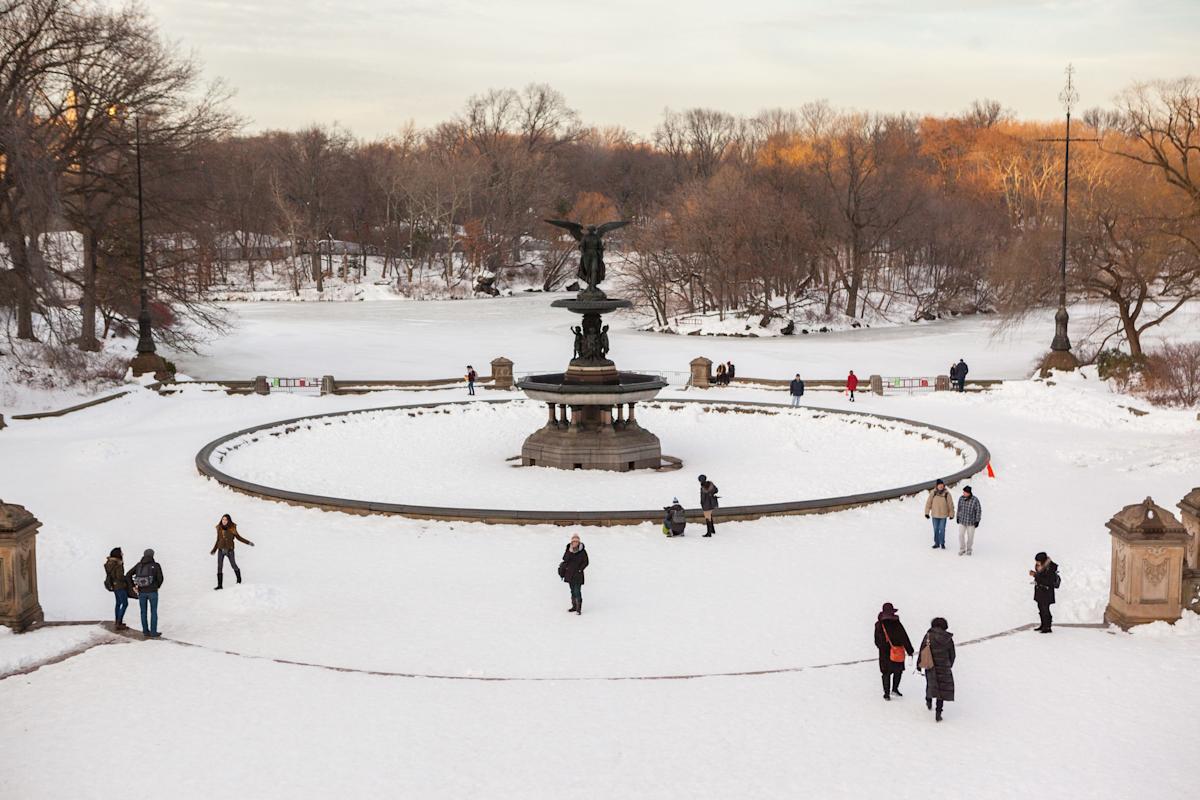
889	633
1045	581
958	374
574	562
708	502
937	660
796	389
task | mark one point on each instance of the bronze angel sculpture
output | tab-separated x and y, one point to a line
591	248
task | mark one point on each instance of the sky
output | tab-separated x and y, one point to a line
374	65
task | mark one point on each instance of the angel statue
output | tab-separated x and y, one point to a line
591	247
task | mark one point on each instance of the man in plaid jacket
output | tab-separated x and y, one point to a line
969	513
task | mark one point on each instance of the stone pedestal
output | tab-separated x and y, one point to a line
328	385
502	373
261	386
19	607
150	363
701	372
876	383
1060	360
941	383
1147	565
1190	508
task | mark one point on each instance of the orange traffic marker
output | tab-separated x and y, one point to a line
991	472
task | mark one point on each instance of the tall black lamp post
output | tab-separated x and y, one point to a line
147	360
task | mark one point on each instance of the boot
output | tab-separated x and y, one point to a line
579	607
709	527
938	716
220	582
929	703
238	573
886	693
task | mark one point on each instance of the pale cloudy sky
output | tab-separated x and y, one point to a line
371	65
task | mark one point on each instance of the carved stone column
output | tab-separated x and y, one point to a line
1147	565
19	607
502	373
876	382
1190	506
701	372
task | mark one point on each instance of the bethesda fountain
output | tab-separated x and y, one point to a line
591	421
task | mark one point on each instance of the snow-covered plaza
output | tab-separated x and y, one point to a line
378	656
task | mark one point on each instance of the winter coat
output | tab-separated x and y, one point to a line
226	537
153	568
852	382
676	518
573	565
796	387
939	679
899	638
708	496
970	512
471	376
114	575
731	371
1043	583
939	504
961	369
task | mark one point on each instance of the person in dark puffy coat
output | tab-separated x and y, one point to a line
937	660
116	582
796	389
889	633
147	578
676	519
574	562
227	537
1045	581
708	502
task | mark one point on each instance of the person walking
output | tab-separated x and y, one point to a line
939	507
851	384
796	388
1045	580
969	513
708	502
116	582
936	659
959	375
574	562
227	537
676	519
471	376
894	647
730	372
147	579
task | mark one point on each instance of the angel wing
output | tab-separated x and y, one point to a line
611	226
574	227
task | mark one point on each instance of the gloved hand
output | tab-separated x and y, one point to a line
926	516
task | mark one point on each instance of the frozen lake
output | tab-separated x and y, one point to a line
421	339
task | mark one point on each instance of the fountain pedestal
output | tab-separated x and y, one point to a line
591	408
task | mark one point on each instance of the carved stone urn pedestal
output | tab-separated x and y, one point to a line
1148	546
19	607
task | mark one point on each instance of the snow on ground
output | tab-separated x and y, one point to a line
1063	714
370	457
411	339
22	652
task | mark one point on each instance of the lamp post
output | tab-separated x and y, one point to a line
147	360
1061	357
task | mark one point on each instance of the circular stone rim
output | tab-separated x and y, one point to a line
604	517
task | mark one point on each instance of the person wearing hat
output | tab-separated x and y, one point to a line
894	647
574	562
1045	581
147	578
676	519
937	660
969	513
708	502
939	507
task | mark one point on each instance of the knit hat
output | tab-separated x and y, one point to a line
148	554
675	500
939	482
1041	558
703	478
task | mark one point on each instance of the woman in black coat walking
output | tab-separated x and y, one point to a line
891	640
937	660
574	562
708	502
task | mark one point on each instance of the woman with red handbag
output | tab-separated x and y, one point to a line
894	647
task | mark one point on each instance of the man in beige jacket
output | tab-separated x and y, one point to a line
939	507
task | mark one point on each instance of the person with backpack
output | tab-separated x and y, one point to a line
796	389
936	659
471	376
675	520
939	506
147	579
894	647
574	562
1045	580
116	582
851	384
227	537
969	514
708	502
